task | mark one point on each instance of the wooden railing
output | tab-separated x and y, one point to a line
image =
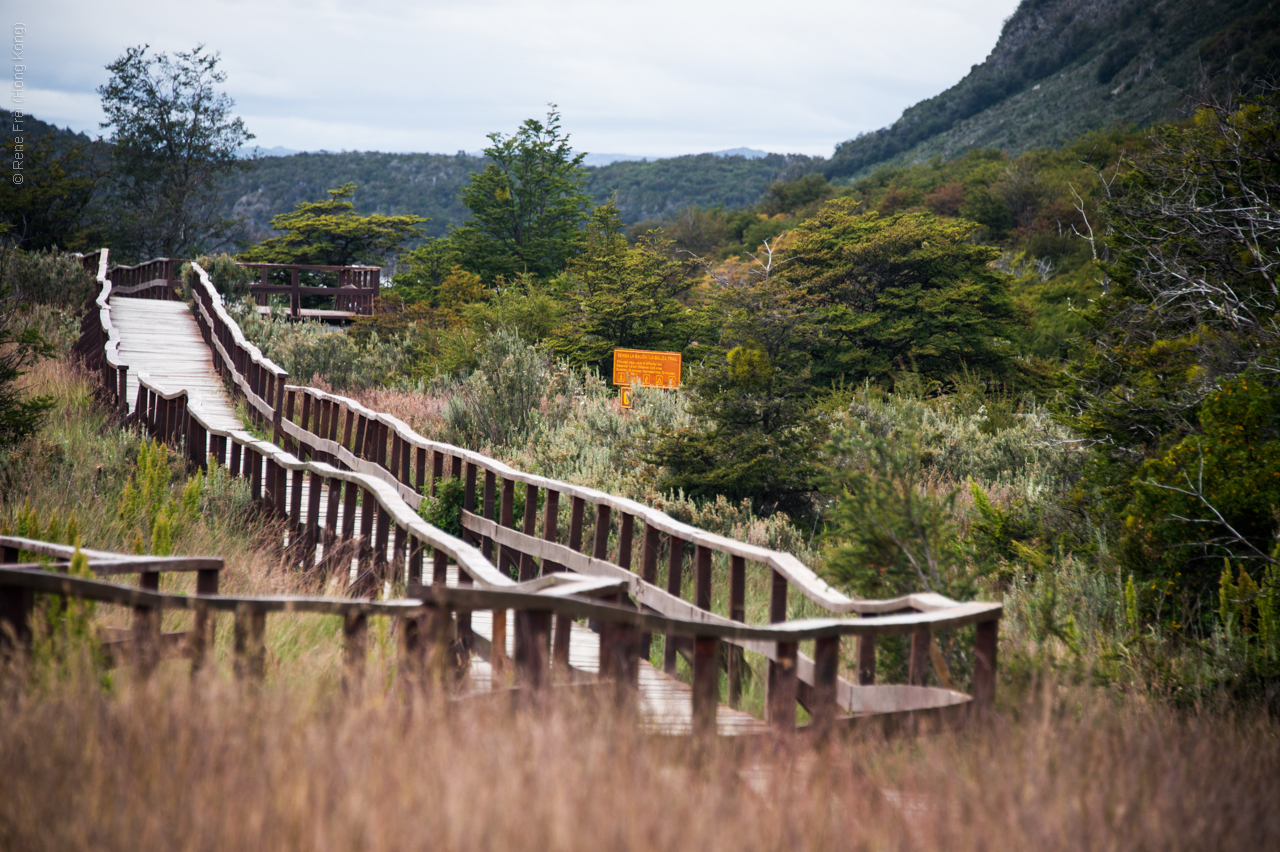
356	286
341	432
155	279
16	601
355	455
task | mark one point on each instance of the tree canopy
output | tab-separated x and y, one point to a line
329	233
527	206
174	139
908	291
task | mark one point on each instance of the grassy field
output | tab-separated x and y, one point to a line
95	759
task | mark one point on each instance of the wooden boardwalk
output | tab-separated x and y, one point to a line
161	338
666	704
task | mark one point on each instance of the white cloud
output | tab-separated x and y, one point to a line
665	77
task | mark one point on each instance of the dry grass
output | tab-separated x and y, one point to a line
297	763
214	766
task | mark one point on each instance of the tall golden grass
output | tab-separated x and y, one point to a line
214	765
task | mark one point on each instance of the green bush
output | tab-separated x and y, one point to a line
307	348
228	278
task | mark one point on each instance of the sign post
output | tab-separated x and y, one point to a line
645	368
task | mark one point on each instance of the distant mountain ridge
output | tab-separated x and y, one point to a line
431	184
1064	67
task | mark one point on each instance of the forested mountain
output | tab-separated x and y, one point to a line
431	184
1065	67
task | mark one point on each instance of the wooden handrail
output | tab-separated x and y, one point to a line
360	451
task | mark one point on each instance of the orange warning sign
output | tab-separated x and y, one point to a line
650	369
624	397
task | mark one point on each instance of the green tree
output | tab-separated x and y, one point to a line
902	290
174	141
527	206
330	233
623	296
423	270
1178	389
756	437
20	346
54	204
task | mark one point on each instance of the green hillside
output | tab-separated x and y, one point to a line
1062	68
431	184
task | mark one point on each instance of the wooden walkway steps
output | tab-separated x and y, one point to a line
161	339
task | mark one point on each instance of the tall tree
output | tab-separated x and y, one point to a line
755	437
174	139
903	290
330	233
53	205
527	206
1179	389
624	296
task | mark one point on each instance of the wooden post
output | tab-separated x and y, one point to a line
706	686
702	577
357	449
533	633
420	469
530	528
507	558
737	612
490	484
866	660
295	298
576	506
437	470
777	614
347	426
234	464
289	400
349	511
123	394
399	556
304	451
826	665
368	513
331	516
355	634
323	433
395	456
600	548
295	507
312	535
254	461
675	572
380	541
782	688
918	666
278	413
550	527
986	646
649	572
469	501
251	653
626	529
415	559
439	566
203	631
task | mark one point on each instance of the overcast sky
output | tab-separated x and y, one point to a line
659	78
